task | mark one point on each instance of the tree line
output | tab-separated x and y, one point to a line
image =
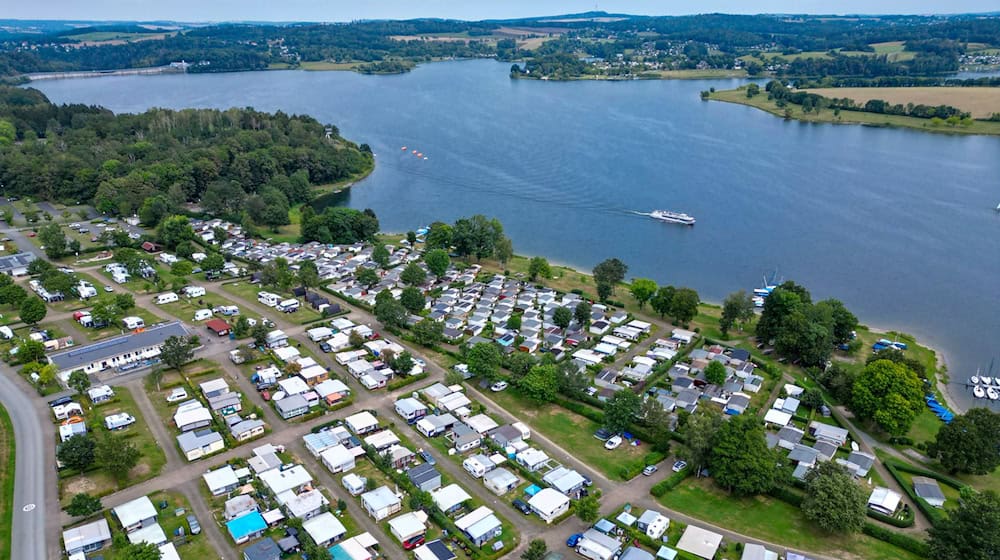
813	101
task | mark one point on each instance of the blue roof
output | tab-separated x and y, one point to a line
246	525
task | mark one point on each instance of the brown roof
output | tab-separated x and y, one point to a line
218	326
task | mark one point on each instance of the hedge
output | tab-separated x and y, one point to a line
404	381
671	482
785	495
906	521
934	514
906	542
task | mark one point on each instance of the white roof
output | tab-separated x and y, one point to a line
385	438
190	416
324	527
293	386
361	421
304	503
884	498
152	534
449	496
453	401
481	423
337	455
409	523
778	417
548	500
312	371
214	385
168	552
532	456
84	535
281	480
135	511
221	478
473	517
380	498
357	547
331	386
700	542
286	353
563	479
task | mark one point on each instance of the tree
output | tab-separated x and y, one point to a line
389	311
412	299
540	384
888	393
428	332
715	373
519	364
79	381
106	310
83	505
402	364
699	437
684	305
355	339
484	360
607	274
969	443
77	452
587	508
308	275
54	240
259	334
437	261
124	301
381	256
740	460
504	250
213	262
177	351
562	317
778	306
620	410
367	277
536	550
844	322
812	398
33	310
538	266
173	230
143	551
833	500
476	236
12	295
411	238
30	351
970	532
737	310
413	275
582	313
439	236
663	301
642	290
117	455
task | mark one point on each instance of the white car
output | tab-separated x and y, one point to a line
108	288
498	386
177	394
613	442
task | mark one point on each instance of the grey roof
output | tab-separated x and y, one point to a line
863	460
927	488
82	356
790	434
635	553
291	403
265	549
803	454
10	262
197	439
504	434
440	550
422	473
825	448
245	426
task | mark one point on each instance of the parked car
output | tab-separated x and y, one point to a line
326	348
413	542
573	540
428	458
613	442
602	434
265	394
650	469
498	386
108	288
679	466
193	523
587	481
60	401
177	394
521	506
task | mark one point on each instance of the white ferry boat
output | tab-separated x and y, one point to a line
672	217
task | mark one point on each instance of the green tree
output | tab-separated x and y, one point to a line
428	332
308	275
402	364
608	274
540	384
54	240
413	275
389	311
737	310
259	334
663	301
582	314
621	410
969	443
177	351
213	262
715	373
124	301
30	351
741	461
381	256
411	238
117	455
843	321
562	317
587	508
83	505
412	299
77	452
32	310
833	500
139	551
538	266
971	531
684	305
439	236
12	295
536	550
174	230
519	364
699	439
888	393
779	305
504	250
476	236
79	381
642	290
484	360
181	269
437	261
367	277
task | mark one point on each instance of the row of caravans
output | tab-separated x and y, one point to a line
275	301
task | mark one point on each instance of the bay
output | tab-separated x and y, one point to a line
898	224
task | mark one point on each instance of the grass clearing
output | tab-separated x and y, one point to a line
7	458
248	293
116	329
770	519
693	74
980	101
185	307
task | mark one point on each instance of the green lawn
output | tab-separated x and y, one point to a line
189	547
185	307
772	520
137	284
116	328
6	482
248	293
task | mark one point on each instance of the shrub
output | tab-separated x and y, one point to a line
905	542
669	483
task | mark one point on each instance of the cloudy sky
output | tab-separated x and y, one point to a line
345	10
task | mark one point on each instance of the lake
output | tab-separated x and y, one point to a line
898	224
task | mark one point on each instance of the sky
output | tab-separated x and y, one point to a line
346	10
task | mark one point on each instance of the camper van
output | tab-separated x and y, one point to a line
288	306
227	310
194	291
168	297
119	421
268	299
202	314
132	323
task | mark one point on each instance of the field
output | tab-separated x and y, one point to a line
115	37
893	50
248	293
710	73
773	520
980	101
6	482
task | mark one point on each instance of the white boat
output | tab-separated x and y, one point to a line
992	393
978	391
985	380
974	380
996	380
672	217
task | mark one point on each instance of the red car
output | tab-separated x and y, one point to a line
32	234
413	543
266	395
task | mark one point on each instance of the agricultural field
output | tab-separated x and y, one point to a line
980	101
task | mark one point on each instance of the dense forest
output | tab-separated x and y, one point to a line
238	163
686	42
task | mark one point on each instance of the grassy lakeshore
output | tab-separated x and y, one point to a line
850	117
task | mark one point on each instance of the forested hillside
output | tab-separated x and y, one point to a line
152	163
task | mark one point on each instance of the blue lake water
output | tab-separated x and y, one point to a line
898	224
